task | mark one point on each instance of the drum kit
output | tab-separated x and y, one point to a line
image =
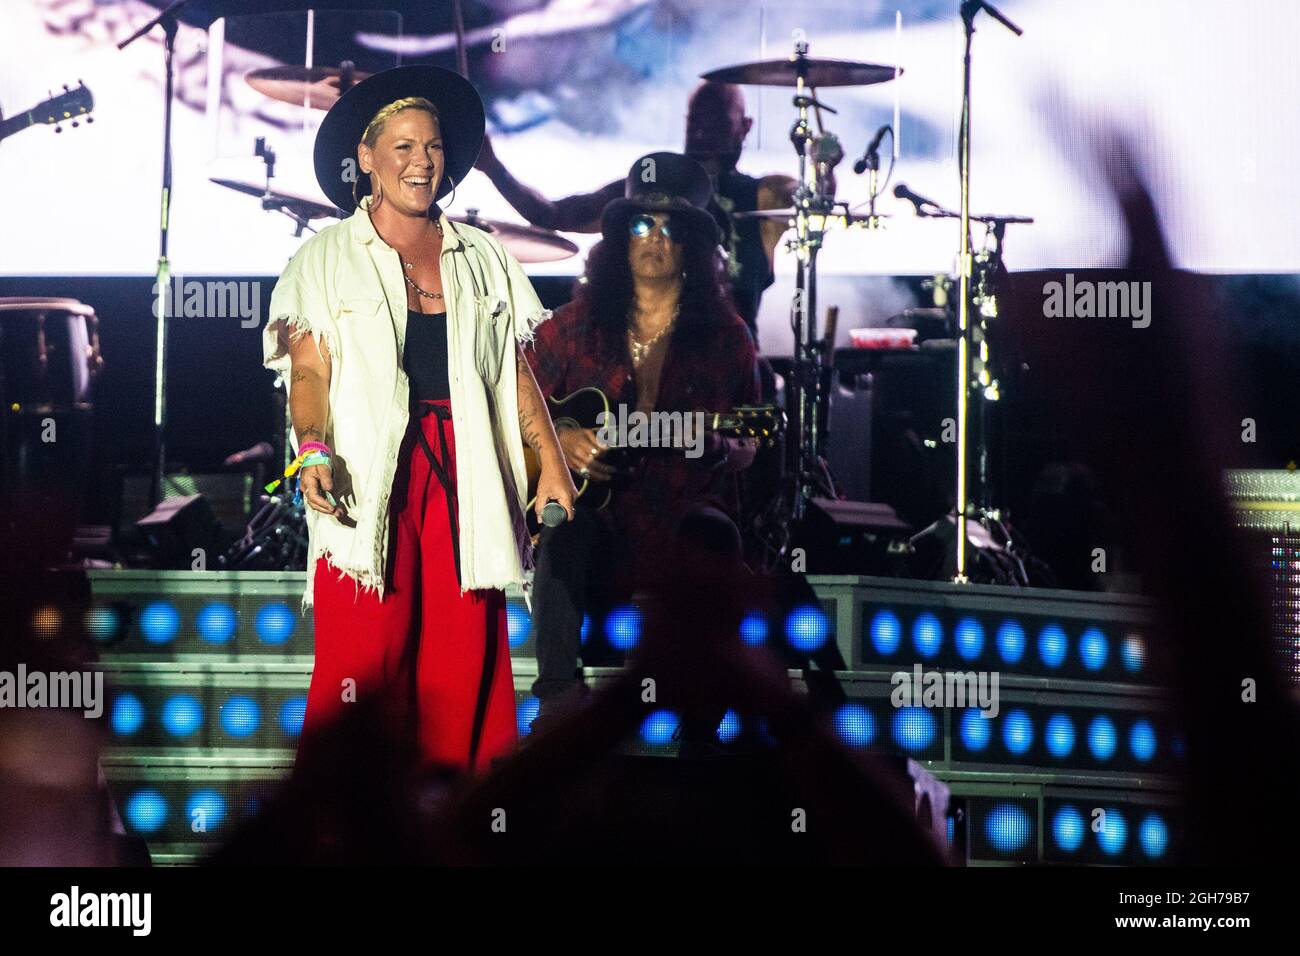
814	214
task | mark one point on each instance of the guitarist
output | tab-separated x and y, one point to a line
653	326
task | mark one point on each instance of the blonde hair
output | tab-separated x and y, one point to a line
375	128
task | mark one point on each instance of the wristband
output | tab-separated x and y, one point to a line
304	458
314	446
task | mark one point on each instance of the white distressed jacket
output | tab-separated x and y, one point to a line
346	286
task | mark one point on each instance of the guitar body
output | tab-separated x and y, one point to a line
585	408
582	409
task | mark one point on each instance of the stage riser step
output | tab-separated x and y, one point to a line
214	711
185	813
875	623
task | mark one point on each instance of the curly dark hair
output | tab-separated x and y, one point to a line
604	293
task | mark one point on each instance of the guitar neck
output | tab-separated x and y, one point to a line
713	420
589	407
15	123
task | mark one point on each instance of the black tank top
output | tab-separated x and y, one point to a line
425	355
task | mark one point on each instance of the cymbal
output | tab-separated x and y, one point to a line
818	72
525	243
318	86
305	206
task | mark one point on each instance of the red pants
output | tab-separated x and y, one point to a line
438	660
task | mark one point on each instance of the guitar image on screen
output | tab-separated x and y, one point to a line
70	105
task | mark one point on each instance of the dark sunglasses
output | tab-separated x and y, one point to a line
643	224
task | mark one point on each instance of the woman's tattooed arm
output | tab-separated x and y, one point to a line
534	418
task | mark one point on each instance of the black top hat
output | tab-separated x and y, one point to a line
460	119
664	182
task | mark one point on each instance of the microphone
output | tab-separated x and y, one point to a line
262	451
554	515
862	164
902	192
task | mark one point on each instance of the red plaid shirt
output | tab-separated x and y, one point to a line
715	374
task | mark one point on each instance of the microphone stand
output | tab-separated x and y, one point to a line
811	206
969	10
871	165
168	20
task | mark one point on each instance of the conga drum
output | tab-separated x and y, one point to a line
49	363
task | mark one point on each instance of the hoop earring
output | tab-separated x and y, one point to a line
376	197
454	184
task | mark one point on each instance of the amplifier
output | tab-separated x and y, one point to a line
1266	506
1264	499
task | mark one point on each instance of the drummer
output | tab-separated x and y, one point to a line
716	127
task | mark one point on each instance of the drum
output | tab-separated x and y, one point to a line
49	362
49	353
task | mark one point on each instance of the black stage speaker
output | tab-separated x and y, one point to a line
176	528
230	495
853	537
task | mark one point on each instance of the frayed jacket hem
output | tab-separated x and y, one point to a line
526	330
365	579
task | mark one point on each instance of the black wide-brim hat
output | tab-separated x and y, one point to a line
460	119
664	182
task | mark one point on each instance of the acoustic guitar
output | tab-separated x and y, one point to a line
590	408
